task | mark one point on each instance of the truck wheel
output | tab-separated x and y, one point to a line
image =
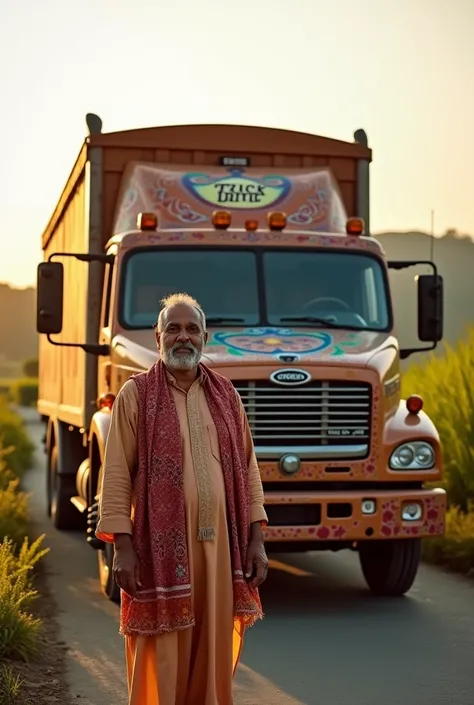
390	567
107	582
64	514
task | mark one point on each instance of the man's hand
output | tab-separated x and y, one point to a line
257	560
126	568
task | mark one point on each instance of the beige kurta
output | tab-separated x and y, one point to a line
194	666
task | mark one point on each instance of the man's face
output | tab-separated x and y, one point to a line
182	337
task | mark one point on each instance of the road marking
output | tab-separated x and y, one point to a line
287	568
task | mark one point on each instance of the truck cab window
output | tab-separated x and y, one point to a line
213	277
348	289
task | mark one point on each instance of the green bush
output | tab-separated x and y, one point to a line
31	367
18	627
447	387
6	473
455	549
13	512
16	451
17	446
24	392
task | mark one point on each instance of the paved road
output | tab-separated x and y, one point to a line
324	641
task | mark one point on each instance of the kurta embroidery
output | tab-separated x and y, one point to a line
206	528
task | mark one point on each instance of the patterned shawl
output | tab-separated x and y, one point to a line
164	602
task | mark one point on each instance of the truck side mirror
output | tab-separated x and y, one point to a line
49	298
430	307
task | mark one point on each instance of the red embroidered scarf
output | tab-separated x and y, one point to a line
159	528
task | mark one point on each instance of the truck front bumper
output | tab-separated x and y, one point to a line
343	517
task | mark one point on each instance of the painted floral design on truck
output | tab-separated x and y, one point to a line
273	341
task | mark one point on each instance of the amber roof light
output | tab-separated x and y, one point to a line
355	226
276	220
251	225
147	221
221	220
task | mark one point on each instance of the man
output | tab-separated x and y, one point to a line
182	500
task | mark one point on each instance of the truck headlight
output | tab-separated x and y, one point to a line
417	455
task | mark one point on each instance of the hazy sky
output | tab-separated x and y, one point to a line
401	69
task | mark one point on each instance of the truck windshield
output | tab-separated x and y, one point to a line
250	288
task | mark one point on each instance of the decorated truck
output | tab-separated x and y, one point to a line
269	230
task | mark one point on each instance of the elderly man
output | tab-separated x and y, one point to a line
182	501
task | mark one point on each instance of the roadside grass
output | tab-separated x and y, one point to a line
19	628
446	384
10	685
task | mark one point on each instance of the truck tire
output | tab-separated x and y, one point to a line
390	567
107	582
49	489
63	513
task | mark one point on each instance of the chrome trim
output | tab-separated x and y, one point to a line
312	452
392	385
325	419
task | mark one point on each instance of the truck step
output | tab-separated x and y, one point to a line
79	503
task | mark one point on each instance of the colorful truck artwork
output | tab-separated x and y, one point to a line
282	341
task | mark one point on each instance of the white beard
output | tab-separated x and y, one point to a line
181	362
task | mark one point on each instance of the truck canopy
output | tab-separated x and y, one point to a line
104	158
188	197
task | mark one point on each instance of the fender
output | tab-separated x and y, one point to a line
98	433
99	430
404	427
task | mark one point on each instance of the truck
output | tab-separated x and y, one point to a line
269	229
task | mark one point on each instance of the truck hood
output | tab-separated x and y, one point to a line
271	346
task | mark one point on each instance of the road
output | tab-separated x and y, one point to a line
324	641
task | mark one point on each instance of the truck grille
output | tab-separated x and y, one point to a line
318	414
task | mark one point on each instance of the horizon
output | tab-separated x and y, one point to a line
455	236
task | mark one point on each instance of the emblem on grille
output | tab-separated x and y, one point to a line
290	377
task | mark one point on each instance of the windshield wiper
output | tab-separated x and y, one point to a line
323	322
223	319
312	319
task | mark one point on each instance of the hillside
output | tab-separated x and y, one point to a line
453	254
18	339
